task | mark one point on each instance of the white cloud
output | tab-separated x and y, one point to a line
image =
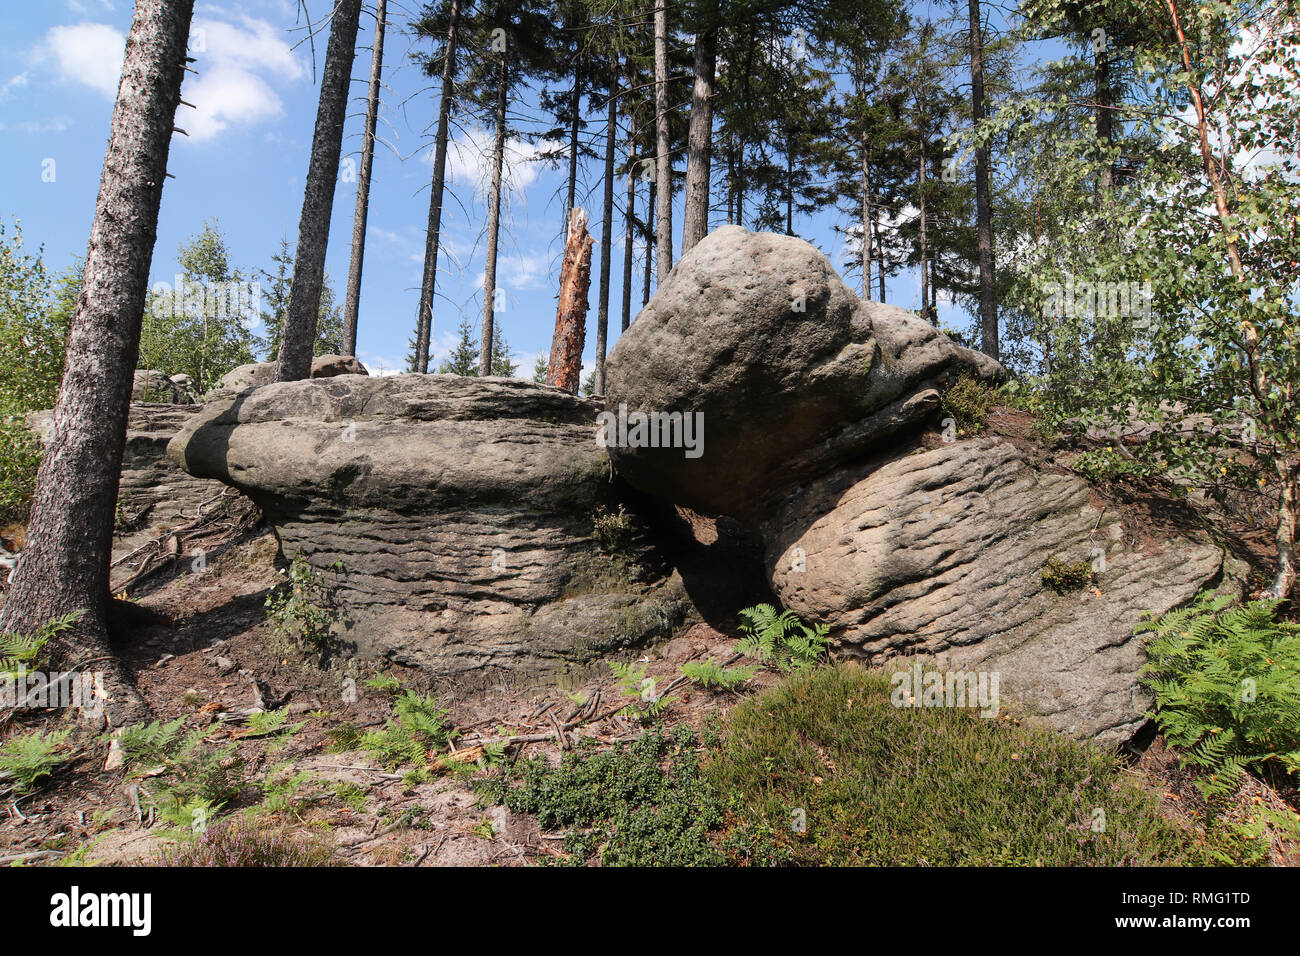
235	64
469	161
13	83
88	53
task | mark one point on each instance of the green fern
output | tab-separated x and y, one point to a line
418	726
710	674
21	652
780	638
633	682
26	759
1226	682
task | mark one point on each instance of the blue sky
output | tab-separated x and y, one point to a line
245	158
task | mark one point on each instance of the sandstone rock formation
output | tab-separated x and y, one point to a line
327	366
460	511
249	376
153	488
257	374
940	553
152	386
791	371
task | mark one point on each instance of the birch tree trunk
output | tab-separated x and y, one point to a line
424	320
352	301
318	197
64	565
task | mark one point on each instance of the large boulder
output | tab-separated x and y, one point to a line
454	516
791	372
151	386
327	366
252	375
941	553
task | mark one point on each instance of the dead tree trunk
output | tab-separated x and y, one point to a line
352	300
64	565
424	321
494	220
565	370
318	197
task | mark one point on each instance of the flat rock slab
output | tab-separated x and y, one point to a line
940	553
453	516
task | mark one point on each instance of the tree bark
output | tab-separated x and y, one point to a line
607	229
494	220
352	300
318	197
64	566
651	232
983	194
923	237
565	369
629	225
663	156
424	320
867	223
695	221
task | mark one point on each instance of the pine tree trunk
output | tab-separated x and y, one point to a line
64	567
575	110
629	225
607	229
1105	134
695	221
652	231
663	157
494	220
318	197
983	194
352	300
923	238
565	369
866	220
424	321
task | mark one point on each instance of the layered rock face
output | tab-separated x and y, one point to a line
941	553
153	488
460	511
790	372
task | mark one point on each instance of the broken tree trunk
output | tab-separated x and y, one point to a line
565	370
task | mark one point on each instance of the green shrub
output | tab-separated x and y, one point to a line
1226	680
1106	464
1062	577
968	401
780	638
612	530
302	609
643	804
869	783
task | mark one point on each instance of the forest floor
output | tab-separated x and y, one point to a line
201	648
